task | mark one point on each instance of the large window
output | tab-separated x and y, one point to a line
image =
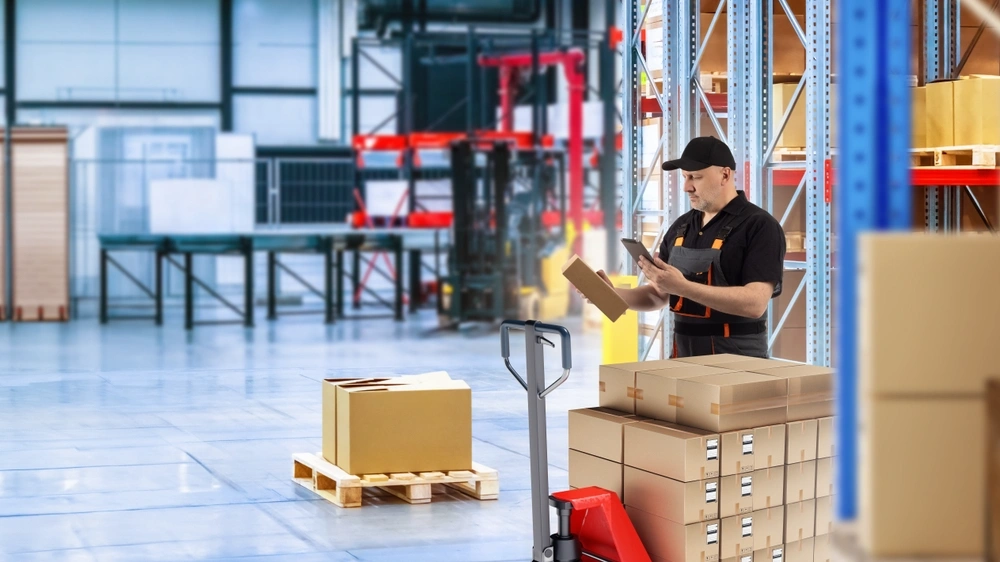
118	50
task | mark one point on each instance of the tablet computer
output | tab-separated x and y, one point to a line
636	249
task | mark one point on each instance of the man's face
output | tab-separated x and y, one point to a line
706	188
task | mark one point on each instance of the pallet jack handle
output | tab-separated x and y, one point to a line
539	328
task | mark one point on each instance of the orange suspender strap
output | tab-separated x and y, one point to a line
679	241
725	330
718	243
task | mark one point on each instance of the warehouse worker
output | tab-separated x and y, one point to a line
718	265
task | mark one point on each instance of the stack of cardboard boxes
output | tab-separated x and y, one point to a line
957	112
716	458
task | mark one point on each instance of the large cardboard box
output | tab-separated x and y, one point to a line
656	390
922	481
823	548
680	502
736	495
794	135
810	390
824	477
800	482
918	126
594	288
825	445
731	401
751	449
617	382
737	536
800	551
802	441
745	493
898	353
773	554
674	542
824	515
770	527
599	432
397	426
685	454
588	470
769	488
940	116
800	521
977	111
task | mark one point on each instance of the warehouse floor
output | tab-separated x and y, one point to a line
129	442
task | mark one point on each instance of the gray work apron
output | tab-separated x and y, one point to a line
700	333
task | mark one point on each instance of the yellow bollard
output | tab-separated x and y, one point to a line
620	340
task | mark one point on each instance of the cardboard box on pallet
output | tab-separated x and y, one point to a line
684	454
800	551
977	114
810	390
746	493
802	441
599	432
800	521
656	390
680	502
800	482
731	401
673	542
747	450
918	113
588	470
737	537
940	116
824	515
823	548
825	442
773	554
770	527
414	424
617	382
824	477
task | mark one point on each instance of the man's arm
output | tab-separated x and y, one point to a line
749	301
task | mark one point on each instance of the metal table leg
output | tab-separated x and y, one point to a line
356	280
248	282
328	273
159	288
188	291
104	287
398	250
272	286
415	285
340	283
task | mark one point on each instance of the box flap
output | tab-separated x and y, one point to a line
686	371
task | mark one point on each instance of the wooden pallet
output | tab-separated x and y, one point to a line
980	156
343	489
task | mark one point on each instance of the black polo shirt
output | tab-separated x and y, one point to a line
753	252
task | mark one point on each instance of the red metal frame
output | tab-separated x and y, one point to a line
919	177
572	62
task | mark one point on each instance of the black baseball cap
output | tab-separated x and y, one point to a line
701	153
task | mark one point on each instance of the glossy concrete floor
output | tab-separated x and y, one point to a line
129	442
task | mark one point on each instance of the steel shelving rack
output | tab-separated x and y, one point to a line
751	130
873	189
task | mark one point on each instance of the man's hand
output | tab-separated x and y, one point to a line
665	278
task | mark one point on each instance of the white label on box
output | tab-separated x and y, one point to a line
776	555
713	533
713	449
747	526
746	486
748	444
746	559
711	492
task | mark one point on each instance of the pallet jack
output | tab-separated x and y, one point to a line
593	524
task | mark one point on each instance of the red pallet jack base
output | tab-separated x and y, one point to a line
601	525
